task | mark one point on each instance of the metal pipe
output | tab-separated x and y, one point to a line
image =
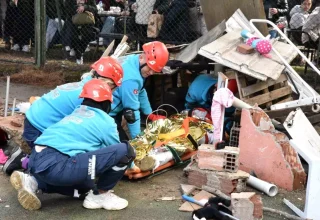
7	96
13	106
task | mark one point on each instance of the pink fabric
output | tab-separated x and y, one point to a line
3	157
250	40
223	97
264	47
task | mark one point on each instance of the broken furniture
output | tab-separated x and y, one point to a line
307	95
306	141
263	93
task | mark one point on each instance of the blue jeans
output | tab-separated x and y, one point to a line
56	172
30	133
108	27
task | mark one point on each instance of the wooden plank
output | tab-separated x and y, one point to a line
289	98
285	112
215	11
264	98
314	119
249	90
241	82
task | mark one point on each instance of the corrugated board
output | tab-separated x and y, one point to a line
223	50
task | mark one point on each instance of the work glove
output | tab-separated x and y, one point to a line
154	117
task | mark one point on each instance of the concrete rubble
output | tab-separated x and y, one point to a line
247	205
226	182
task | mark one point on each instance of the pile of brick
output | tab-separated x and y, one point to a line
217	169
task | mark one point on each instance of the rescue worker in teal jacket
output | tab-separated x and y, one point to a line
131	97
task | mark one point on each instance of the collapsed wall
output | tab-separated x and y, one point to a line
268	152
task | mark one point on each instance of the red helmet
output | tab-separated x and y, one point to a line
157	55
108	67
232	86
96	90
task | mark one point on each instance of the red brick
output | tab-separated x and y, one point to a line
258	206
218	160
246	206
245	49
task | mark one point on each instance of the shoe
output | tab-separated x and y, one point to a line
16	47
27	187
72	52
87	49
67	48
108	201
14	162
26	48
79	61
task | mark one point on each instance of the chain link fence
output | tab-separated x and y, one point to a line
174	22
17	30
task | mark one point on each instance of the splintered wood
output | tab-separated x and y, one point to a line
263	93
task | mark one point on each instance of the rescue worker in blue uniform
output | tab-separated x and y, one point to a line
131	97
199	98
70	154
58	103
200	92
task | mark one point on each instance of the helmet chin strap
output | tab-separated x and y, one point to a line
143	65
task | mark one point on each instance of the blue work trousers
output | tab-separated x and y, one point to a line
30	133
56	172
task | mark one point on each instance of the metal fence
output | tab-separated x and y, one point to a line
37	30
17	30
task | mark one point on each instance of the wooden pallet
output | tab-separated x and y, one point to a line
263	93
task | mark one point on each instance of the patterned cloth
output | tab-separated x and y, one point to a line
298	17
312	26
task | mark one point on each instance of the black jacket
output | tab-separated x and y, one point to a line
162	6
71	7
51	9
281	5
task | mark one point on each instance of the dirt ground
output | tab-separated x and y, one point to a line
141	194
29	81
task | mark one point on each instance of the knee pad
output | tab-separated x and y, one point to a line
130	156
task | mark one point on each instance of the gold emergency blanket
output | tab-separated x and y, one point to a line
172	132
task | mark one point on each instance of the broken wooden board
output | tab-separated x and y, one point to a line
223	50
263	93
190	207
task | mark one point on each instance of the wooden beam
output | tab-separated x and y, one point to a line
249	90
267	97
